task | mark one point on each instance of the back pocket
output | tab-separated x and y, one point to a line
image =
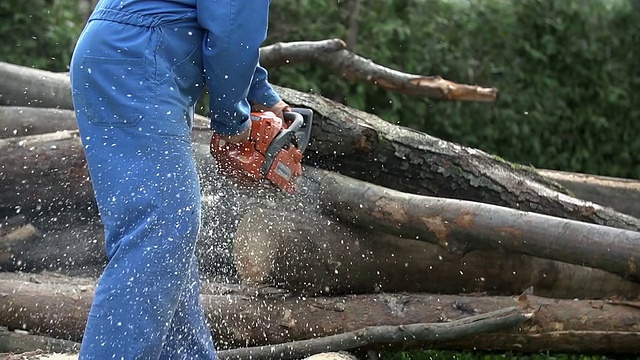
115	91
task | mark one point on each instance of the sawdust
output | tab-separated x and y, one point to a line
38	355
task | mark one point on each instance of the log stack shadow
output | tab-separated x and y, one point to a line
389	227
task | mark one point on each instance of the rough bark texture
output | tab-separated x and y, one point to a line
77	249
238	320
620	194
333	54
384	335
463	226
368	148
313	254
45	173
46	177
16	342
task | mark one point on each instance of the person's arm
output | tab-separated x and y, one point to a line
235	31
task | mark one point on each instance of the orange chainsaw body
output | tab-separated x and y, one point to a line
273	152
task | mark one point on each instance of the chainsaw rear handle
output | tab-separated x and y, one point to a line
300	120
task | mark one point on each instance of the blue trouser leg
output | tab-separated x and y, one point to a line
147	297
134	120
182	344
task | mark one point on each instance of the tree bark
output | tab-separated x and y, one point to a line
334	55
44	173
384	335
313	254
24	86
463	226
16	121
25	120
582	326
31	183
622	195
14	342
78	249
365	147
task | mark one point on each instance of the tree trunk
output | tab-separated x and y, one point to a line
44	173
314	254
24	120
364	146
77	249
24	86
463	226
620	194
18	121
582	326
388	335
57	185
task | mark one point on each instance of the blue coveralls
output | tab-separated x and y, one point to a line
136	73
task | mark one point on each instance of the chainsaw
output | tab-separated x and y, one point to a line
273	151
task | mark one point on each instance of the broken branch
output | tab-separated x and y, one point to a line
334	55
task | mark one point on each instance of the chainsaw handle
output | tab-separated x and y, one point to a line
300	124
294	120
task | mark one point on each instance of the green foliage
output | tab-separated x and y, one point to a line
567	72
38	33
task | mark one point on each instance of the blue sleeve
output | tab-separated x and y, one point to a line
261	91
231	50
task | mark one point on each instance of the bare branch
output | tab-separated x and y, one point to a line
386	334
334	55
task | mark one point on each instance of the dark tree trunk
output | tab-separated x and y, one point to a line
620	194
365	147
584	326
284	245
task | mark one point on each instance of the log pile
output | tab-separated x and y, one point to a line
395	239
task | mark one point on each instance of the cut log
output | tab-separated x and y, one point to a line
24	120
334	55
18	121
25	86
385	335
20	342
77	249
463	226
12	241
580	326
44	173
620	194
364	146
47	177
10	224
372	336
311	253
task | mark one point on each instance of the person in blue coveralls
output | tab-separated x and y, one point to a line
136	73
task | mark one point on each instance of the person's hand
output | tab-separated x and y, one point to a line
279	108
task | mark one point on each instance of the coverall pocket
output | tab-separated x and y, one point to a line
115	91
